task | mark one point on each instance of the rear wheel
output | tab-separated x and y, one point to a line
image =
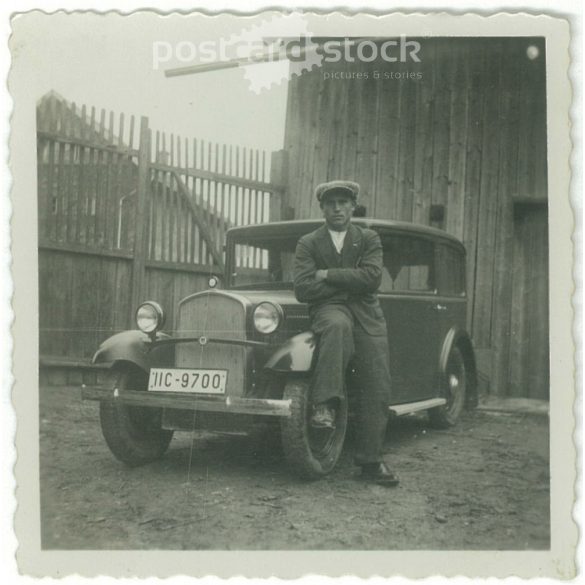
455	390
133	433
312	452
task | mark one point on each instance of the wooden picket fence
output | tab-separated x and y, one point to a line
127	213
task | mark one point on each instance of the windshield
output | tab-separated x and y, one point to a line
262	262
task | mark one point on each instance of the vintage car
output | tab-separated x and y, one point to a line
242	351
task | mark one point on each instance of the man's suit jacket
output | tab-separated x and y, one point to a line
353	277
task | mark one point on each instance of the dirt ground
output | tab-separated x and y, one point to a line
481	485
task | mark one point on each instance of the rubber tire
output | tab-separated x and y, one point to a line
296	434
446	416
133	433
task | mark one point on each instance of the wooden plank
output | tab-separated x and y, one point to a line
111	127
59	196
245	192
67	188
109	209
518	314
102	127
157	195
455	209
216	201
405	194
42	168
319	160
54	316
511	103
79	191
387	180
76	248
366	138
203	269
278	172
339	114
88	143
186	216
308	206
292	145
99	189
117	194
68	193
305	93
81	187
237	192
203	230
229	188
59	117
178	211
224	195
197	198
53	117
140	211
131	133
532	160
166	210
441	122
172	211
475	125
423	147
49	194
91	183
488	201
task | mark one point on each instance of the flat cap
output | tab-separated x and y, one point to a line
353	189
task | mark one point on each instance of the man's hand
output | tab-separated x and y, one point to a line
320	275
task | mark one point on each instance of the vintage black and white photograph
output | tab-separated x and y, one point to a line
294	283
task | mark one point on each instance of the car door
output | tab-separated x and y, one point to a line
451	287
408	295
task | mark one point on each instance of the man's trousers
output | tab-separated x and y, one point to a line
341	338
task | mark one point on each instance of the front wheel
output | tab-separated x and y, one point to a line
447	415
133	433
312	452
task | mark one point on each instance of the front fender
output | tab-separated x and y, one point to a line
135	347
294	355
460	338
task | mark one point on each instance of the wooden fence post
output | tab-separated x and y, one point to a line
279	176
140	233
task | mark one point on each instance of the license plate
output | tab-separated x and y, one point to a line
200	381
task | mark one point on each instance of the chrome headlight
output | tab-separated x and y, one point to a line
150	317
267	317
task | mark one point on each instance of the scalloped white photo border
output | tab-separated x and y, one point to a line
556	563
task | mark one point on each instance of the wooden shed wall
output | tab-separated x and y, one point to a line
467	138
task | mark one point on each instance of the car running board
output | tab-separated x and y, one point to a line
402	409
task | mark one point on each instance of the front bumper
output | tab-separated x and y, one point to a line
226	404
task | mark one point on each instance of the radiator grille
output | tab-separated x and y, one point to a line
213	315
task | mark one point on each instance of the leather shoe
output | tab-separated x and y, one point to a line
380	474
323	416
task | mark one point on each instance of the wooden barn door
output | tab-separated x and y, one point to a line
529	347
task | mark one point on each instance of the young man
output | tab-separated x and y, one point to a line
338	268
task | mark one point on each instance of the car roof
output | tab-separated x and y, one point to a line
299	227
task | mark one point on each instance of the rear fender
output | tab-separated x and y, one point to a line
294	355
460	338
135	347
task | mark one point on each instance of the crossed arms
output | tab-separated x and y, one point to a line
316	282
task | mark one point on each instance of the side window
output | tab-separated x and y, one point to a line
409	264
452	273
